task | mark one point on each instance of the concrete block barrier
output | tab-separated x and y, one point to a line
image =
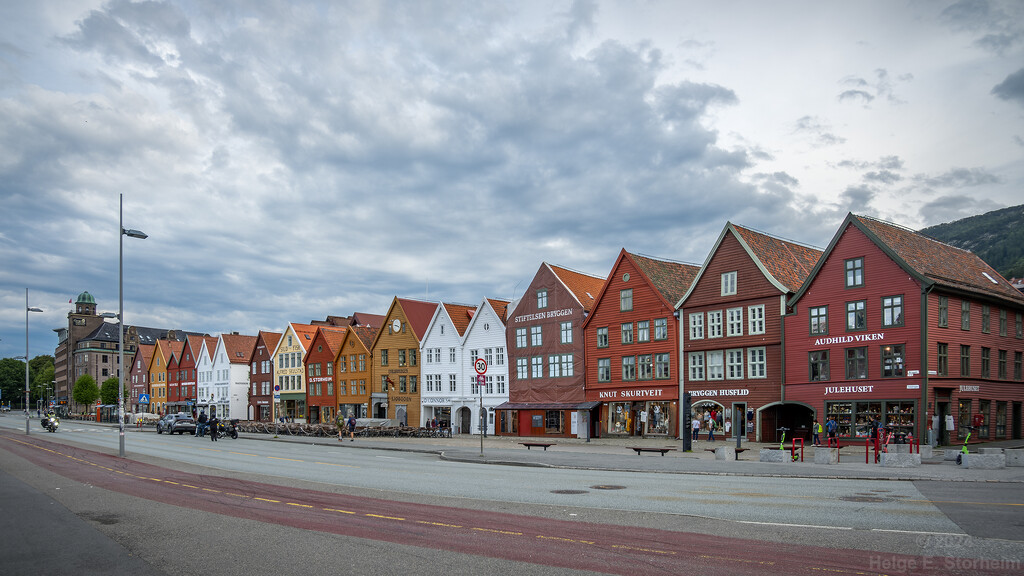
903	460
826	456
950	454
927	452
1014	457
984	461
779	456
899	448
725	453
990	450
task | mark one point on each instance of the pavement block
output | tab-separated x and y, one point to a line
927	451
772	455
725	453
984	461
1014	457
826	456
950	454
990	450
902	460
899	448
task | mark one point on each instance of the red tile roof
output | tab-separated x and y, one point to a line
238	347
941	263
788	262
333	337
303	334
419	314
366	334
270	340
584	286
365	319
500	307
671	279
460	315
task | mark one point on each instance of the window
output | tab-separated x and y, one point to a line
965	315
535	335
520	337
537	367
943	312
627	333
942	365
559	365
854	272
818	365
734	364
892	311
696	365
501	383
986	354
643	331
716	365
661	328
629	367
401	357
662	366
856	316
965	360
604	369
499	356
626	300
734	324
1002	364
489	356
819	320
452	382
892	361
856	363
1019	322
697	326
755	319
728	284
566	329
757	363
715	324
645	366
1017	365
542	299
1002	322
522	368
986	319
451	356
602	337
384	357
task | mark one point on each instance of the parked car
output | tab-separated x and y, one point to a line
176	423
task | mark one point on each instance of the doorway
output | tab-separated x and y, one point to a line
1016	421
464	420
943	412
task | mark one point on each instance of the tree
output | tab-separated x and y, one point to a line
12	380
108	391
85	391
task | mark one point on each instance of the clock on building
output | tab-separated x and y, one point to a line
396	325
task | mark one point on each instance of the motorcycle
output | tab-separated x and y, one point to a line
230	429
50	423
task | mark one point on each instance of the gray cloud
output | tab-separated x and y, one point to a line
881	86
954	207
1012	88
959	178
816	130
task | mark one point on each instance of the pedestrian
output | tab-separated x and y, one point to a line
830	429
351	428
214	424
816	433
695	425
340	421
711	430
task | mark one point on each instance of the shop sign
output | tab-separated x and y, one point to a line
970	388
630	394
436	400
320	379
722	392
543	315
848	390
848	339
913	386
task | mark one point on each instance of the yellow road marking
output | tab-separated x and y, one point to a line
641	549
563	539
439	524
211	490
266	499
289	459
342	511
299	505
497	531
385	517
233	494
340	465
242	453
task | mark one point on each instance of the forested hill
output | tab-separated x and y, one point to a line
996	237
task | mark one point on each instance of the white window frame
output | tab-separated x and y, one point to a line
757	362
536	335
566	331
728	283
522	368
734	321
521	338
715	324
697	326
734	364
755	319
715	365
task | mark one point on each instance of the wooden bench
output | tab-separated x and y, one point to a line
639	450
543	445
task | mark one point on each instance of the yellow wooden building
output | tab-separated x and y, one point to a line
396	366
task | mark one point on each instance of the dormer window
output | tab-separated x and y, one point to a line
728	284
854	272
542	299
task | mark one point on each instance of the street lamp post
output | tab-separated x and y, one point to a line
27	310
122	232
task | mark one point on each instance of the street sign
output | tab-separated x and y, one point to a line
143	398
481	379
480	365
277	387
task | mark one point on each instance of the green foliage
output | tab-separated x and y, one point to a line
996	237
12	381
108	391
85	391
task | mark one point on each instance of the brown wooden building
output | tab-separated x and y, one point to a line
354	371
261	376
396	369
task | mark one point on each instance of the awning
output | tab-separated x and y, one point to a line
547	406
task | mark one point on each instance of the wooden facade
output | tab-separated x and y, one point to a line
261	376
139	378
632	346
289	373
158	376
320	374
396	367
354	371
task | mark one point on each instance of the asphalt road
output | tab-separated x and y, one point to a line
574	520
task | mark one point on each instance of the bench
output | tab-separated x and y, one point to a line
543	445
638	450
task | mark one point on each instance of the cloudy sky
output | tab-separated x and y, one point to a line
291	160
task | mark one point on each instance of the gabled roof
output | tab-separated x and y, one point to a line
460	315
671	279
365	319
303	334
174	349
270	340
332	337
195	344
238	347
500	308
583	286
145	353
939	263
366	334
419	314
784	263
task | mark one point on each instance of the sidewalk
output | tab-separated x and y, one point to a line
614	454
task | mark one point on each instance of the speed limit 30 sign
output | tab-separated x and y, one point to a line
480	365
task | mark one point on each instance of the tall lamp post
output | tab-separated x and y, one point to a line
122	232
27	310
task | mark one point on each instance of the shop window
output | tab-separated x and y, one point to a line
1002	364
696	360
618	417
964	417
981	421
965	361
627	333
865	412
643	331
892	311
1000	420
942	359
854	272
899	417
842	413
856	363
818	365
658	420
965	315
602	337
819	320
856	315
985	362
892	360
604	369
697	326
553	422
943	312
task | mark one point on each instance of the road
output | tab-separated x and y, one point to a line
603	522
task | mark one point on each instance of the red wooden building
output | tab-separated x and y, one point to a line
320	377
261	376
731	321
925	337
632	346
139	377
545	344
175	402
